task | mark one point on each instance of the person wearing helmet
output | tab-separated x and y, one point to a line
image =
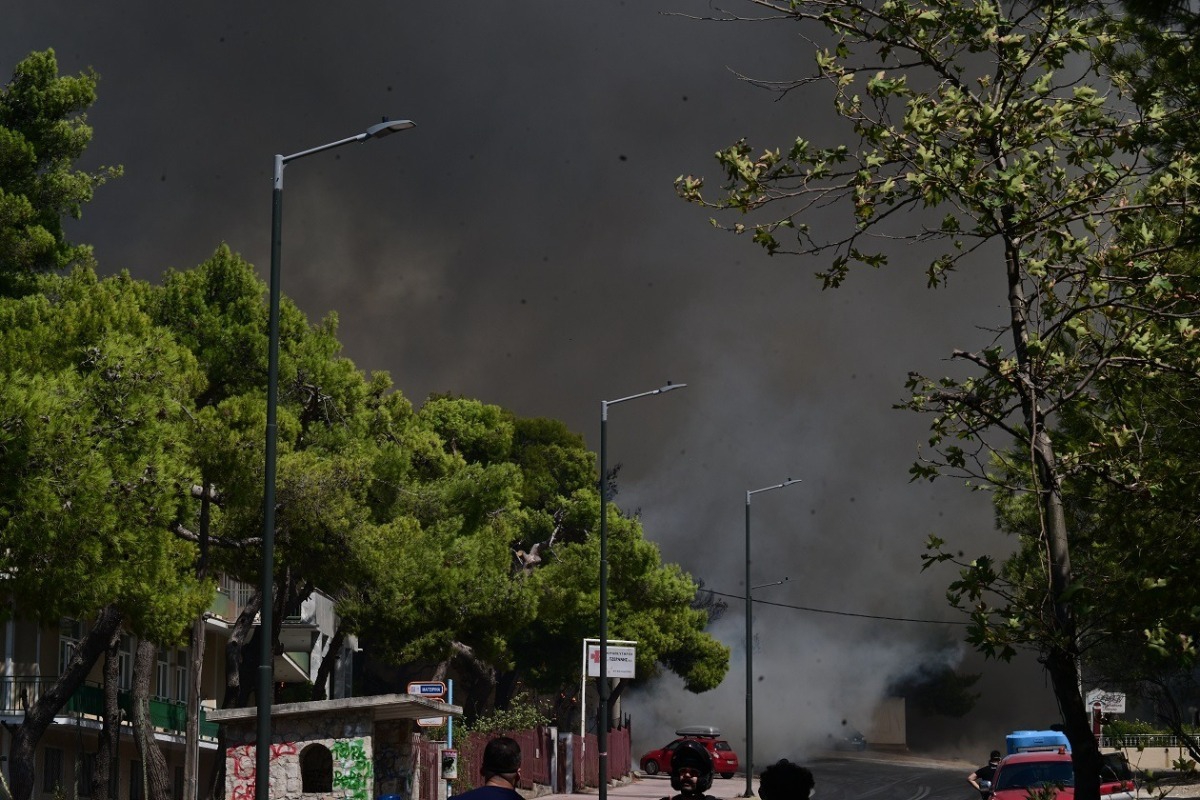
785	780
691	771
981	778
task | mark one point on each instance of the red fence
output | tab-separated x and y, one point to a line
586	759
429	766
537	752
535	757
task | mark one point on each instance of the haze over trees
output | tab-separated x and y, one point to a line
455	535
1042	142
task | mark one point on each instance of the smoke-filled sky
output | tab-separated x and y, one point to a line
524	246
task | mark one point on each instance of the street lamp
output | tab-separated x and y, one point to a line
602	711
750	641
262	783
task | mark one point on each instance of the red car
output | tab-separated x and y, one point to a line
1020	772
725	761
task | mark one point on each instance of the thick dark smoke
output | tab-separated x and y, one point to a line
523	245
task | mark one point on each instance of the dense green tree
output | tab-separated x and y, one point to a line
43	132
94	401
1003	129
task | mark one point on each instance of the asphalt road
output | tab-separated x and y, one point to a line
889	780
851	778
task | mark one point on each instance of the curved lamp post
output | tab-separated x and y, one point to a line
750	640
602	711
262	783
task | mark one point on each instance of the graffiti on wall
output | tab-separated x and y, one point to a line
243	767
353	770
392	772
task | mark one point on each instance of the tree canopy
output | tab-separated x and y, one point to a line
1018	138
43	132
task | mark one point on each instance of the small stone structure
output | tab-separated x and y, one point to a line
355	748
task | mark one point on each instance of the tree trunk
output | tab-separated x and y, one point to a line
154	764
103	781
328	663
506	684
39	716
1061	656
235	694
191	738
614	699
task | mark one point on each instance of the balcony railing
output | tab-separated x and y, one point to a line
17	695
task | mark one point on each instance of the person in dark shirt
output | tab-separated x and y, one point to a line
691	771
985	773
501	771
785	780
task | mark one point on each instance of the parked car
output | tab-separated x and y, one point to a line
725	760
849	739
1020	772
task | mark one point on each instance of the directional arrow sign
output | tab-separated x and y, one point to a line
435	689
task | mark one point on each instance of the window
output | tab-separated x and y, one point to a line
182	664
178	783
316	769
135	780
70	631
125	664
162	683
52	769
87	774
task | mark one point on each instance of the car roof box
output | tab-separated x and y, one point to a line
1036	741
698	730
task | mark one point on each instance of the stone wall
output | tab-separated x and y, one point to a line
347	736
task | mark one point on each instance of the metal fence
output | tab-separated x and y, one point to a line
1142	740
17	695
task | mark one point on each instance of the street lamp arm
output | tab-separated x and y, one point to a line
788	482
772	583
376	131
669	387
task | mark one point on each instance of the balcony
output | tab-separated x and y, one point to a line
19	694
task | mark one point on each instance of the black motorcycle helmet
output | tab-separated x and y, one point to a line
695	755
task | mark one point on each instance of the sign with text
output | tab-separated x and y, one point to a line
1110	702
434	690
620	661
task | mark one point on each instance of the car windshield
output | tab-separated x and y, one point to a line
1035	773
1115	768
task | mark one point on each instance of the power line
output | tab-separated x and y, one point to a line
838	613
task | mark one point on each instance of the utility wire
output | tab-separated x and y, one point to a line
839	613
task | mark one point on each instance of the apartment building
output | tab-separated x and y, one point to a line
34	655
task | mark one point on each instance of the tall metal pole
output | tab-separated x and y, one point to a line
264	693
602	680
750	643
749	664
602	719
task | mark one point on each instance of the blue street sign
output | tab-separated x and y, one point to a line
428	689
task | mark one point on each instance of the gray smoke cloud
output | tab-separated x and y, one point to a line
523	245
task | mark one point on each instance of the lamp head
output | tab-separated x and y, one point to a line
388	127
670	386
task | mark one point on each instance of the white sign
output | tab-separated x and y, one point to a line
620	661
1110	702
433	690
